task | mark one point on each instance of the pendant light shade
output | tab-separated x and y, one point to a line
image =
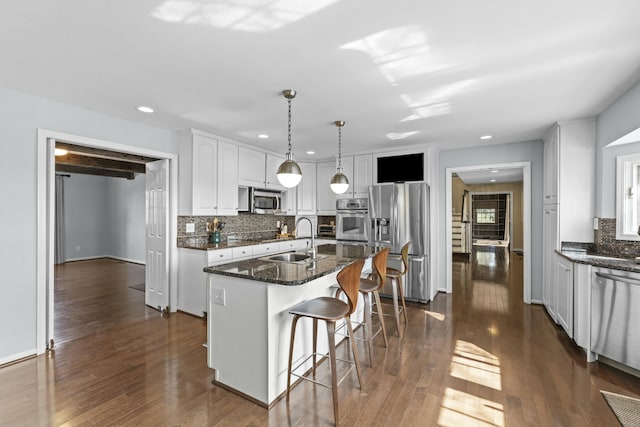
339	181
289	173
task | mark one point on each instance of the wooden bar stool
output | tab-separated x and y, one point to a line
370	287
395	277
330	310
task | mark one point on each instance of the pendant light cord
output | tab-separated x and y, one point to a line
289	127
339	148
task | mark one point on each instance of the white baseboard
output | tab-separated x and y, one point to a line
86	258
18	356
537	301
135	261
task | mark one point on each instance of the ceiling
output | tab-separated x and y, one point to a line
400	74
491	176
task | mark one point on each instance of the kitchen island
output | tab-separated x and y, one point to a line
248	327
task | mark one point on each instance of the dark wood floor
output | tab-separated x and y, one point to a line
476	357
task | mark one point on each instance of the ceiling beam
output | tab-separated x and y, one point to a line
93	171
100	163
101	153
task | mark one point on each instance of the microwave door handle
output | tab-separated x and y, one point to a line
278	204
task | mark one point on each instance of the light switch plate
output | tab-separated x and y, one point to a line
219	297
191	228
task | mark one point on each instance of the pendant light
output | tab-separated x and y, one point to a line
289	173
339	181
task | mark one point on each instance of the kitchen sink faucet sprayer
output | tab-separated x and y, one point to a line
312	251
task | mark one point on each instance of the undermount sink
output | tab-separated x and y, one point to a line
289	257
293	257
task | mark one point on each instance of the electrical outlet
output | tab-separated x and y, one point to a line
595	223
219	297
191	228
77	248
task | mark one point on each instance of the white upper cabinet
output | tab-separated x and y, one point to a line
569	178
362	175
307	189
325	198
227	178
208	175
551	167
251	168
359	171
273	163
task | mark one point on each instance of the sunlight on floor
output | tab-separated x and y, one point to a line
486	258
243	15
474	364
463	409
437	316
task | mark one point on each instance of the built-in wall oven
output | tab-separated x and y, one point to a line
352	220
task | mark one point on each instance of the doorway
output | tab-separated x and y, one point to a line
46	225
484	174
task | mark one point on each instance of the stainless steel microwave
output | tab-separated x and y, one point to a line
265	201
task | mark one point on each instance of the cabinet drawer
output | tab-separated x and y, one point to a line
293	245
266	248
218	256
242	252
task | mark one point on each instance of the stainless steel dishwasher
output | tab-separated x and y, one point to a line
615	316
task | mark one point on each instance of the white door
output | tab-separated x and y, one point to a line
157	241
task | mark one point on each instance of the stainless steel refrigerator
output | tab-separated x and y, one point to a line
399	214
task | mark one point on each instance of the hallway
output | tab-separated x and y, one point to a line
476	357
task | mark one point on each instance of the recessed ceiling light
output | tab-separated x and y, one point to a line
145	109
495	171
263	136
493	180
60	152
311	152
486	137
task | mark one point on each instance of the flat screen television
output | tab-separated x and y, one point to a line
408	167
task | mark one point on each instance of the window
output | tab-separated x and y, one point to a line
628	199
485	216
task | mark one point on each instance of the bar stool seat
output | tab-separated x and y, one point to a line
322	308
329	310
395	277
370	288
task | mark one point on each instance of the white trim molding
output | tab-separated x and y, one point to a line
45	222
526	221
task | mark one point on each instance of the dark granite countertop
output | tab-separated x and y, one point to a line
601	260
208	246
332	257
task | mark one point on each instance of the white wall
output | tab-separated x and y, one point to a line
126	218
85	216
104	217
530	151
21	116
617	120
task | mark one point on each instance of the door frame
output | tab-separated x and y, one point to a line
526	221
45	233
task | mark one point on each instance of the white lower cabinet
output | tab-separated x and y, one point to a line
582	305
550	244
193	283
564	292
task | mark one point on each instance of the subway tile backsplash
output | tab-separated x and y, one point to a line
244	226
